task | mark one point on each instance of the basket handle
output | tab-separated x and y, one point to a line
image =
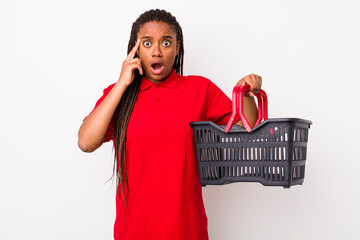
238	107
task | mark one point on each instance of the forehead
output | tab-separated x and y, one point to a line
156	29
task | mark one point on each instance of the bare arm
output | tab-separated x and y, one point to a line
250	109
93	130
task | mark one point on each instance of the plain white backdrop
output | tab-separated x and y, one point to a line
56	57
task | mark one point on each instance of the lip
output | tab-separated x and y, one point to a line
159	70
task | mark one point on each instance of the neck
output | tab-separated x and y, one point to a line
158	81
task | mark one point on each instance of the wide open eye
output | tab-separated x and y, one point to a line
147	44
166	43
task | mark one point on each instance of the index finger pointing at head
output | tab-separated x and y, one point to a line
133	51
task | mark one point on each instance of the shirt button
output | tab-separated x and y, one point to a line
157	86
158	99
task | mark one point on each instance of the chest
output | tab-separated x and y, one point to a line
163	111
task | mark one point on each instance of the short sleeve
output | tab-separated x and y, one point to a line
219	106
109	132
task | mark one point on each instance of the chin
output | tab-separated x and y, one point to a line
158	77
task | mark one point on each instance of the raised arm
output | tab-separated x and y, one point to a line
250	109
93	130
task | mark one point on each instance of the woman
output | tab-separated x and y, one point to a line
147	113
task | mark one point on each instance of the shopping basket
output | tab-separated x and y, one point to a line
272	153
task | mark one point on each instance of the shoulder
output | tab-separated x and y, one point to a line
195	80
108	88
202	82
105	93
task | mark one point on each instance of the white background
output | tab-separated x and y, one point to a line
56	57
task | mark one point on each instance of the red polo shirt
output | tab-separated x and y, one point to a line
165	196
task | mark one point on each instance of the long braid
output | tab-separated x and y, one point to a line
122	116
124	109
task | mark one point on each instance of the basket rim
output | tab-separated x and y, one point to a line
237	128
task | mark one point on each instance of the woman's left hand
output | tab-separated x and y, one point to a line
254	81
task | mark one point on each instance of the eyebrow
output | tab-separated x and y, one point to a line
165	36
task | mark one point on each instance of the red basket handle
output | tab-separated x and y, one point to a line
238	107
234	108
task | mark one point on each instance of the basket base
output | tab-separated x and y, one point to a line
284	185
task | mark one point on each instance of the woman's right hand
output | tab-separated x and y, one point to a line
129	66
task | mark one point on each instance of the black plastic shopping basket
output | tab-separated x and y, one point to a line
272	153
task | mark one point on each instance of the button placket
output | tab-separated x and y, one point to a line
157	86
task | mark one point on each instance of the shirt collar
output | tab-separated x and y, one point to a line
169	82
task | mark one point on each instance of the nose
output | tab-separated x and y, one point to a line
157	51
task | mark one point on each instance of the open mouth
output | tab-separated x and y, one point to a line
157	67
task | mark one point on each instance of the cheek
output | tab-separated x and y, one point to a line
172	55
144	57
140	54
142	51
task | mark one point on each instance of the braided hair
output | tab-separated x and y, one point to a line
124	109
